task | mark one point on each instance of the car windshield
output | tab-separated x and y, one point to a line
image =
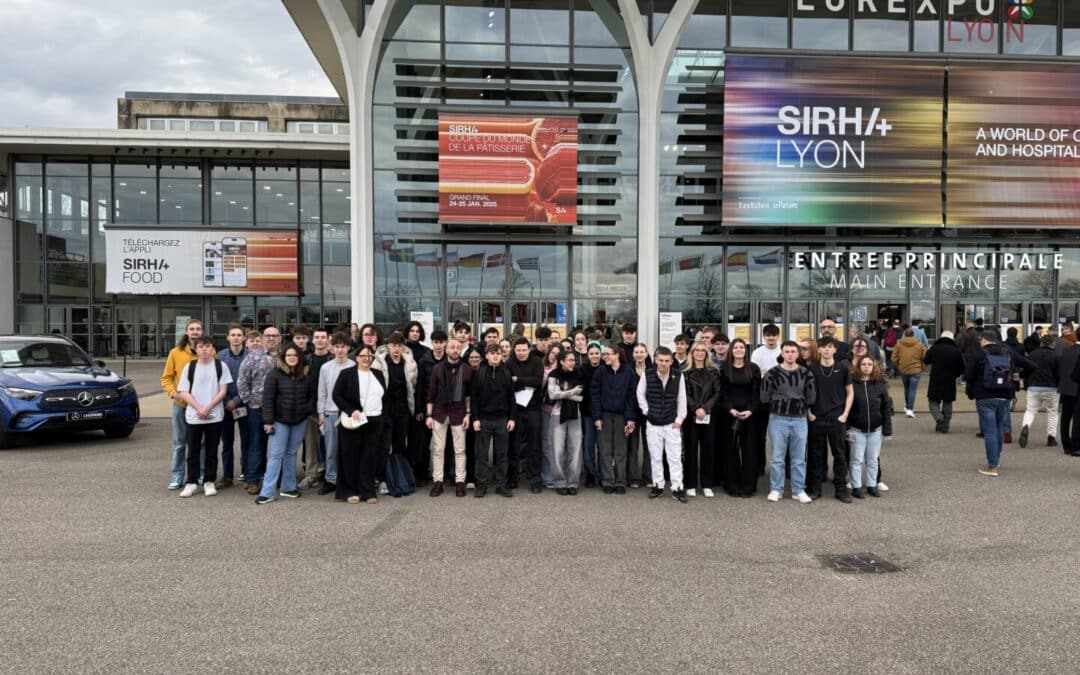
32	354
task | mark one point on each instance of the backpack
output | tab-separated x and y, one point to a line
891	337
191	373
399	476
997	373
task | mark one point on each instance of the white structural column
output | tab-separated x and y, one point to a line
360	59
651	63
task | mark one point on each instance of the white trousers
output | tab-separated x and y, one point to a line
665	440
1042	398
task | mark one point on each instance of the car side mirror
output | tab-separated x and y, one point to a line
99	363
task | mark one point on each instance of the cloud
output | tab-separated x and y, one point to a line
66	62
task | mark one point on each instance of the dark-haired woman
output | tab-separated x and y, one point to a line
358	394
740	384
288	400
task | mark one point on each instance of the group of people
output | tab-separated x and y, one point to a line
326	411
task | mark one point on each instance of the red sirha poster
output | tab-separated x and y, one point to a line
507	169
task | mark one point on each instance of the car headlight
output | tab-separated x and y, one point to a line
125	389
21	394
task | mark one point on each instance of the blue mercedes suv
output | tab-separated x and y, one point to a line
47	383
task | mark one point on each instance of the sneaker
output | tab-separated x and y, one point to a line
383	490
656	492
873	492
857	493
307	483
774	496
327	488
802	498
353	500
844	497
177	482
908	412
371	501
1008	437
260	500
436	489
608	490
707	492
986	471
692	492
209	489
680	496
291	494
1051	442
470	486
882	486
635	485
189	490
620	489
1023	437
504	492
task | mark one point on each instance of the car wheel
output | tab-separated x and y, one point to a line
119	431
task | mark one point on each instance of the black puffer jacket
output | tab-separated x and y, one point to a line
702	389
287	399
1045	373
872	407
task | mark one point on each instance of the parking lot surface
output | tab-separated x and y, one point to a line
103	569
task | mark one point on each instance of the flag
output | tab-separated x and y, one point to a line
494	260
665	267
401	255
770	258
451	258
427	259
474	260
717	259
1021	9
629	269
691	263
532	263
736	259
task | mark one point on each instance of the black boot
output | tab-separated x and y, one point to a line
856	493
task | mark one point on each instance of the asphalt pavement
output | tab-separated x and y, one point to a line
103	569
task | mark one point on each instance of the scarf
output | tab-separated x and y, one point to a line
568	410
452	378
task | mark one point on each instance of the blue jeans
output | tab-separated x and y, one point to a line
787	436
330	441
179	442
281	458
592	468
866	448
992	415
255	462
228	434
911	385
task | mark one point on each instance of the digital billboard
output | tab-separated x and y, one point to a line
507	169
1014	146
831	141
159	261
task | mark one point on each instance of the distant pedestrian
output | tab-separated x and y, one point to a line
907	358
1041	385
946	367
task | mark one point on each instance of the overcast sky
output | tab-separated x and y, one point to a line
65	62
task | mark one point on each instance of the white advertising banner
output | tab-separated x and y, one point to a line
203	261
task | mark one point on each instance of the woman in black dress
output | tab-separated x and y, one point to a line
740	387
358	394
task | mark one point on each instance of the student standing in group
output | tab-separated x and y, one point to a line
327	409
309	463
477	358
871	418
431	359
371	335
740	391
581	346
463	334
448	408
720	346
702	395
358	394
542	341
661	397
179	356
566	389
288	400
203	385
789	391
492	397
235	413
506	350
828	415
1041	385
629	342
301	337
682	351
399	401
614	388
415	336
594	355
827	328
249	385
527	374
765	357
907	358
946	366
638	465
490	336
551	364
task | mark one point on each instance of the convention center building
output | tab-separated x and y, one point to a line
568	162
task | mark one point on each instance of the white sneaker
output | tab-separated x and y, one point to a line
774	496
691	492
882	486
802	498
189	489
470	486
209	489
383	489
707	492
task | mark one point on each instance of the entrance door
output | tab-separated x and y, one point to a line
72	322
1024	316
746	320
520	317
804	317
954	317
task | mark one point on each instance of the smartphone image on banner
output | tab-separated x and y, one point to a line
235	261
212	269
